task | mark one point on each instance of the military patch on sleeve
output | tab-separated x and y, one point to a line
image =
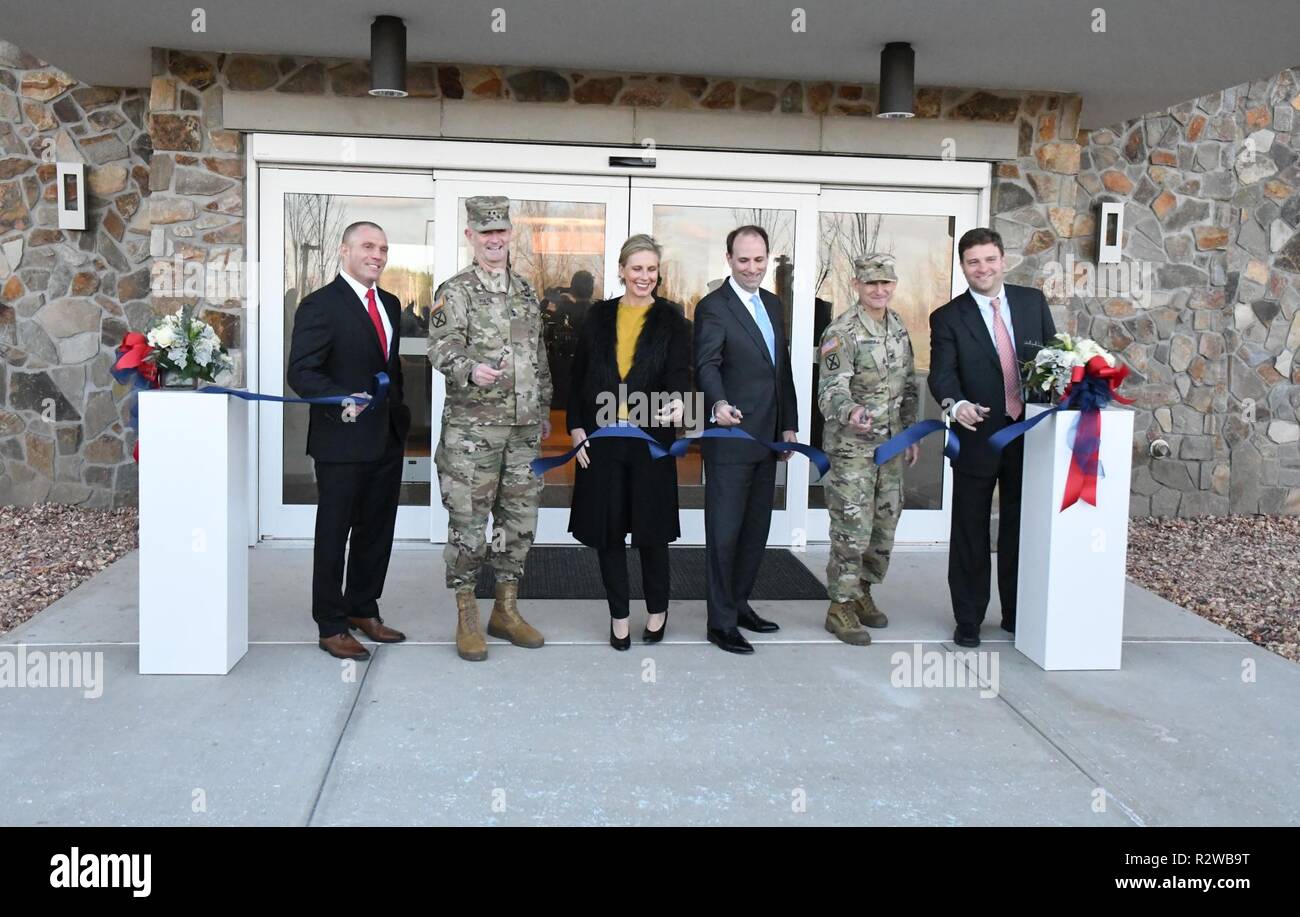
830	345
833	362
436	315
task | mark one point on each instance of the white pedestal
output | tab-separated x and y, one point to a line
193	533
1070	597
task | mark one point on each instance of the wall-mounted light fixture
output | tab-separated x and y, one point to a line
388	57
897	81
1110	233
71	180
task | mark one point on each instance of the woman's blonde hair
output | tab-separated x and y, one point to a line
641	242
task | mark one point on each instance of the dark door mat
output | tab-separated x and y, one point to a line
565	572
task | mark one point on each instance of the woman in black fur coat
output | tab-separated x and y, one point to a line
632	367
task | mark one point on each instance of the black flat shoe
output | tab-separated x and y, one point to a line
654	636
619	643
1009	626
730	640
962	638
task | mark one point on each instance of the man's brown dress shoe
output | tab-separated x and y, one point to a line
344	646
377	630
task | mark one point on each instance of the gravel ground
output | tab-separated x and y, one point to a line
1241	572
47	551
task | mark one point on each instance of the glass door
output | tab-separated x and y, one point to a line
565	243
921	230
691	220
302	216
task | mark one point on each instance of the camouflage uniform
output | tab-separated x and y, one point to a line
489	433
869	364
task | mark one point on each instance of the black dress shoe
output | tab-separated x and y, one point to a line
619	643
965	638
1009	625
748	618
654	636
730	640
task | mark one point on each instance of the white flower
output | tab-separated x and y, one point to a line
162	336
1089	349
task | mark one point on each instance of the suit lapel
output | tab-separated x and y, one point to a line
970	313
746	319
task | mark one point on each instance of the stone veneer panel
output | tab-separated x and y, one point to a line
68	297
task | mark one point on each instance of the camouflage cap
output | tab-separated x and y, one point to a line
875	266
487	213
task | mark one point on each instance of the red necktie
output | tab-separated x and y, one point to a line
379	325
1007	357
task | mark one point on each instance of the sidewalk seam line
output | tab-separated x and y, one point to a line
329	765
1129	811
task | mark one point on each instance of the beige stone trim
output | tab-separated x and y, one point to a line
434	118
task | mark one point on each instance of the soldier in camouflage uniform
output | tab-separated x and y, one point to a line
486	338
867	393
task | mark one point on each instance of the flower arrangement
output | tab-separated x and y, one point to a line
1052	368
186	348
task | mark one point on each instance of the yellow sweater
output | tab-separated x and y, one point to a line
630	321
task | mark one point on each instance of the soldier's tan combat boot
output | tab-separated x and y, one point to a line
867	611
506	622
470	644
843	623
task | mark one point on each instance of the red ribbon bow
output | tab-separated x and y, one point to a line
1081	481
133	353
1097	366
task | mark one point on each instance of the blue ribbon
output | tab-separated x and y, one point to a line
138	383
1090	393
812	453
542	465
913	435
999	440
381	392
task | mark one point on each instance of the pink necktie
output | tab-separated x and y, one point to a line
1007	356
379	325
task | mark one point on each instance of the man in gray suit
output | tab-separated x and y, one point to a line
742	364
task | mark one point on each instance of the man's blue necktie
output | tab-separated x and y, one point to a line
765	326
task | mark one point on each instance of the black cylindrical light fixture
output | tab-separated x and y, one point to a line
388	57
897	81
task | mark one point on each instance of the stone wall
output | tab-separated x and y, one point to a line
67	297
1211	196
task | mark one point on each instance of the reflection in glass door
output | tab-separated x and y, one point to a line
303	214
920	230
691	221
565	244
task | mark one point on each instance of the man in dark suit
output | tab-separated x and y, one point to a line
343	334
978	343
742	364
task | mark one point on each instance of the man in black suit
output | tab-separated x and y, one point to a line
978	343
343	334
742	364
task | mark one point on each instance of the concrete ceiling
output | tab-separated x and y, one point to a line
1153	53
